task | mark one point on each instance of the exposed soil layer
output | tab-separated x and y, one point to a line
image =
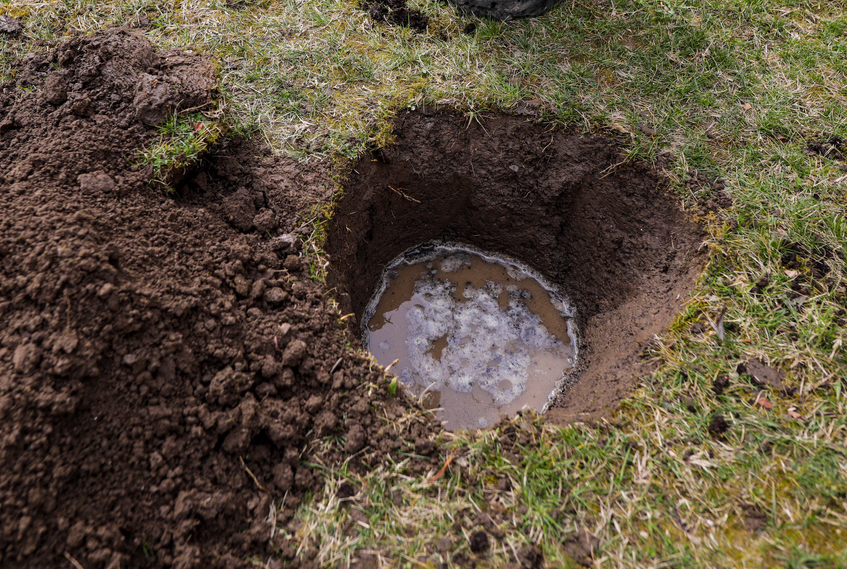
569	206
166	366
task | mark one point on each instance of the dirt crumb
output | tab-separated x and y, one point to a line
720	384
718	426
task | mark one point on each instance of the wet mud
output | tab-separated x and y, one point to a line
570	206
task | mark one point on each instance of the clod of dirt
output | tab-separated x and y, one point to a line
396	13
720	384
761	284
346	491
479	542
582	546
150	403
718	426
10	26
567	205
832	148
762	374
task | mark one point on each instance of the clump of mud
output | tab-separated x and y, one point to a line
571	207
164	364
396	13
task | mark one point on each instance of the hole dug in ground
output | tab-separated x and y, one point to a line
568	206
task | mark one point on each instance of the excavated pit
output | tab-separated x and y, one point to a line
569	206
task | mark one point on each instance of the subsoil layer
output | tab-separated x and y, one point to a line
167	366
570	206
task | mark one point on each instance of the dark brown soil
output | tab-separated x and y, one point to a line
718	426
570	206
396	13
165	365
832	147
10	26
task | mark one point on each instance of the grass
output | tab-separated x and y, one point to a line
183	140
733	88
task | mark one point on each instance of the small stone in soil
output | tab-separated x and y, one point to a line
762	374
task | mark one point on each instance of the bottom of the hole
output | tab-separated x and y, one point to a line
475	335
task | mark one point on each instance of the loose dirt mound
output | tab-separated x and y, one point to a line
570	206
164	364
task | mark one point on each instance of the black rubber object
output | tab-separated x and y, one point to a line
505	9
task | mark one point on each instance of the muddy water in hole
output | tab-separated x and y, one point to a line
478	336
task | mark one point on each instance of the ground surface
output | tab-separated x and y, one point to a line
730	451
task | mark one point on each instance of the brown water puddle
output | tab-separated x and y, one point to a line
480	338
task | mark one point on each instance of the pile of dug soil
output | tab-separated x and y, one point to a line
164	362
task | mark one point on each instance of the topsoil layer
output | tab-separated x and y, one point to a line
164	364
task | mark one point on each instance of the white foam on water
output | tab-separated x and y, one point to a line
455	332
485	345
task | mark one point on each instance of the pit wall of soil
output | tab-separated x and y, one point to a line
568	205
167	366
